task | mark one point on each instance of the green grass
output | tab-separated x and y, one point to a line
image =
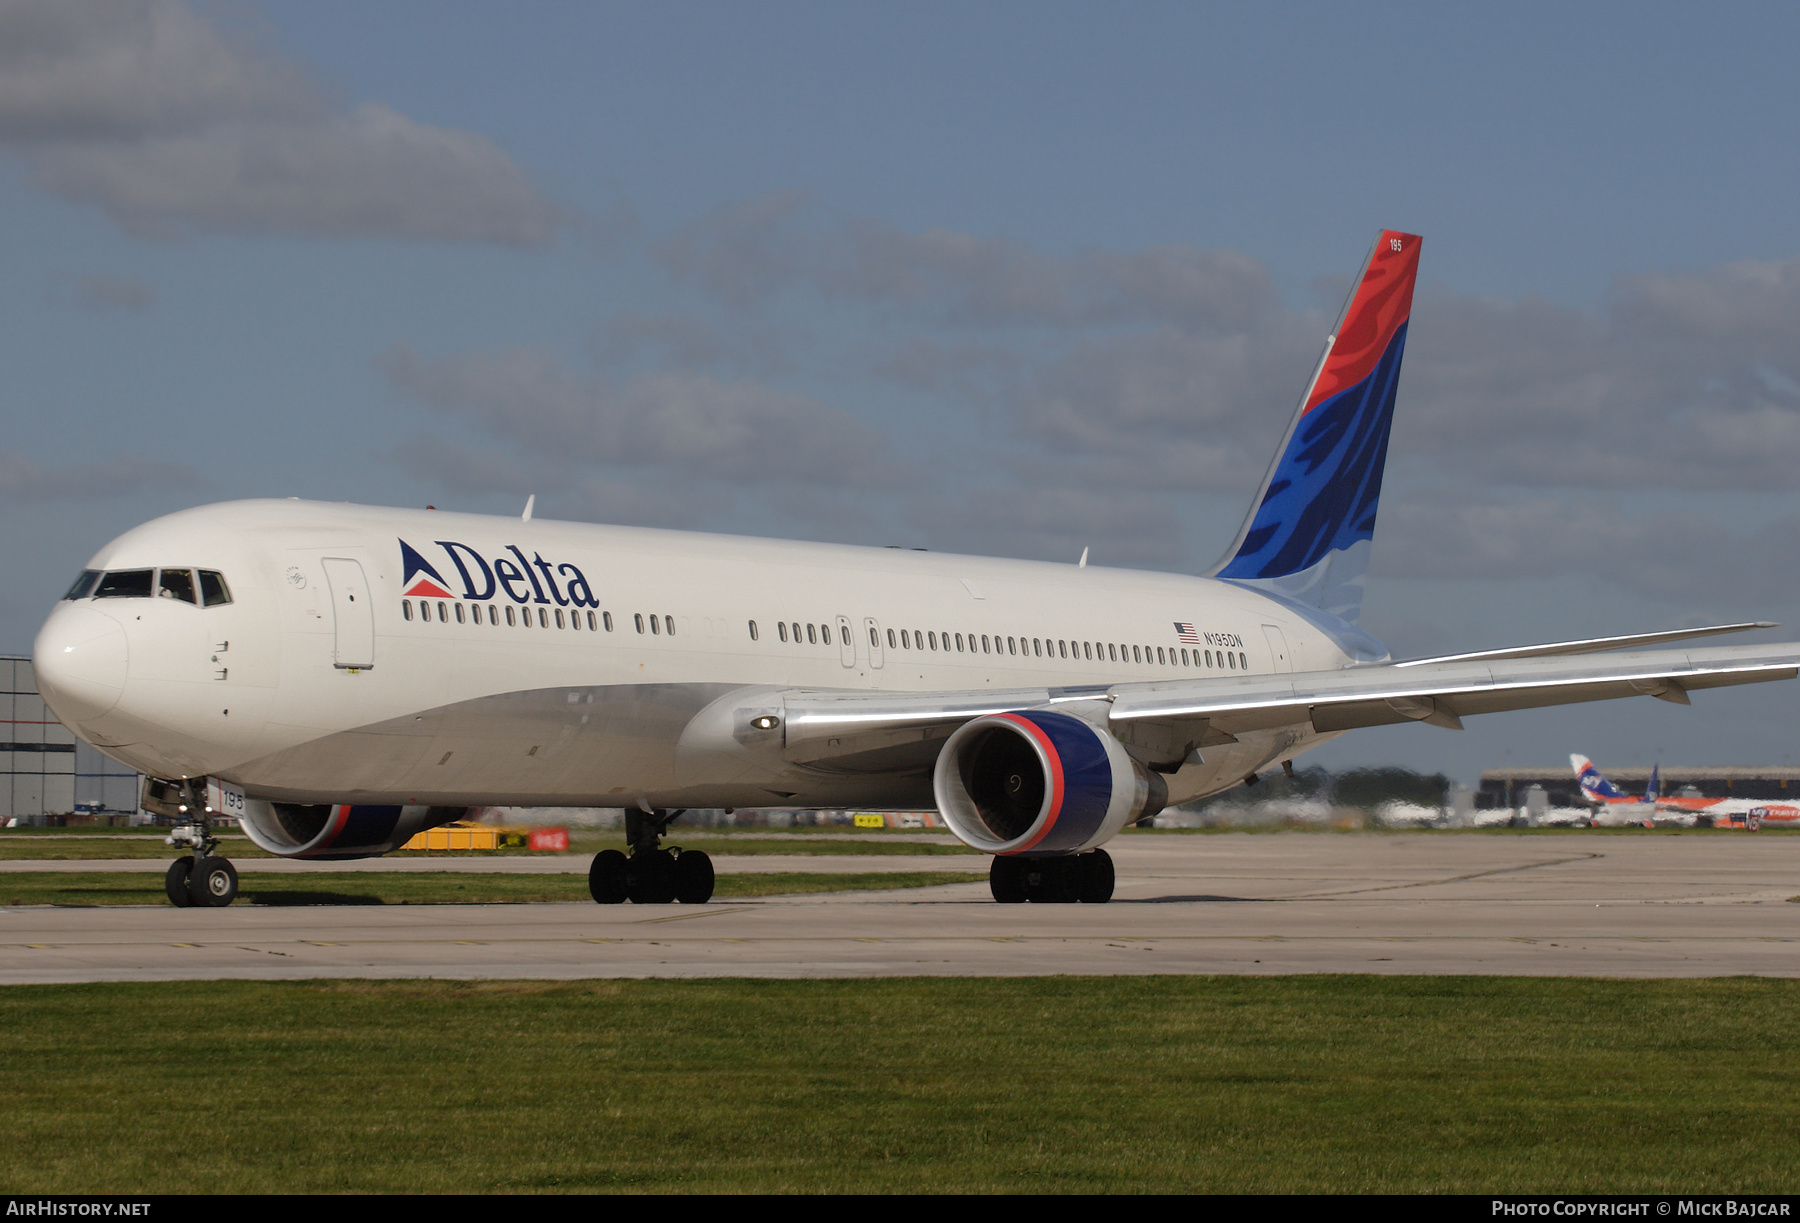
1295	1084
424	887
15	847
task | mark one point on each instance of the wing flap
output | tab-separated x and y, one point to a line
1590	645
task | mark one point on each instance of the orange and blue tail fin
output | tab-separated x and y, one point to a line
1308	537
1594	786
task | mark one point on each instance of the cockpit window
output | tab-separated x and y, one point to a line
177	584
125	584
84	585
213	590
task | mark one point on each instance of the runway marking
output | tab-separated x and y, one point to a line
1425	883
690	916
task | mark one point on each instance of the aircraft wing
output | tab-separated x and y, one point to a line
1165	719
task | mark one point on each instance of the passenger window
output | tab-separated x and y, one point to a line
905	640
669	623
125	584
442	614
84	585
213	591
1087	648
1243	663
606	620
655	627
639	617
177	584
752	626
459	614
424	611
1136	655
559	617
890	639
825	633
509	617
781	629
1232	659
931	638
812	636
1009	646
406	609
918	640
874	637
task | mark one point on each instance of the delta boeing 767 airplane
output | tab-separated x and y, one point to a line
339	677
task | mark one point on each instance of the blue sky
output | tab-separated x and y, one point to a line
998	278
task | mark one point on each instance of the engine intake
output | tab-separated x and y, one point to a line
338	830
1040	782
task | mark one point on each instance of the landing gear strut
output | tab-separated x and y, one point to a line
651	875
1079	877
205	880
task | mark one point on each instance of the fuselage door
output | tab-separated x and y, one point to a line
1278	650
354	611
874	631
846	643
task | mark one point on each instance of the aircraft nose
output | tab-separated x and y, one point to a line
81	661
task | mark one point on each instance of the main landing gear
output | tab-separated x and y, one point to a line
205	880
651	875
1078	877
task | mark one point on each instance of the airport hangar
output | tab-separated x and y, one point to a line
47	775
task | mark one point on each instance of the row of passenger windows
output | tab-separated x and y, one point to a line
443	612
1030	647
204	587
1048	647
821	634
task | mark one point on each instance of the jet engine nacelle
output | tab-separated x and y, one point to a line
338	830
1040	782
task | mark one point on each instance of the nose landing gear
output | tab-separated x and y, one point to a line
205	880
651	875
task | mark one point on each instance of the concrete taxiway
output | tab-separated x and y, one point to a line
1563	904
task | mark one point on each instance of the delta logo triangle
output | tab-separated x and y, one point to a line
431	582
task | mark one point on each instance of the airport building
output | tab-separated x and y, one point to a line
47	776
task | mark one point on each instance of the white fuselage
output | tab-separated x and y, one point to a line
304	688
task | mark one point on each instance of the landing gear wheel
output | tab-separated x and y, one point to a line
175	883
1006	880
608	877
1050	881
693	877
651	879
213	882
1094	877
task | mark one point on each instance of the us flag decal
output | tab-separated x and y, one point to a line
1185	633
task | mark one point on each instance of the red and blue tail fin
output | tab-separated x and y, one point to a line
1308	536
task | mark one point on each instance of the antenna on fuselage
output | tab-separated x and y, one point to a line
529	502
1082	563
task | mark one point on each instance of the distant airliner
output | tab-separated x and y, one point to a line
339	677
1685	809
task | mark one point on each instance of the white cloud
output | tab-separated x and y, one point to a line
24	479
166	122
698	425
